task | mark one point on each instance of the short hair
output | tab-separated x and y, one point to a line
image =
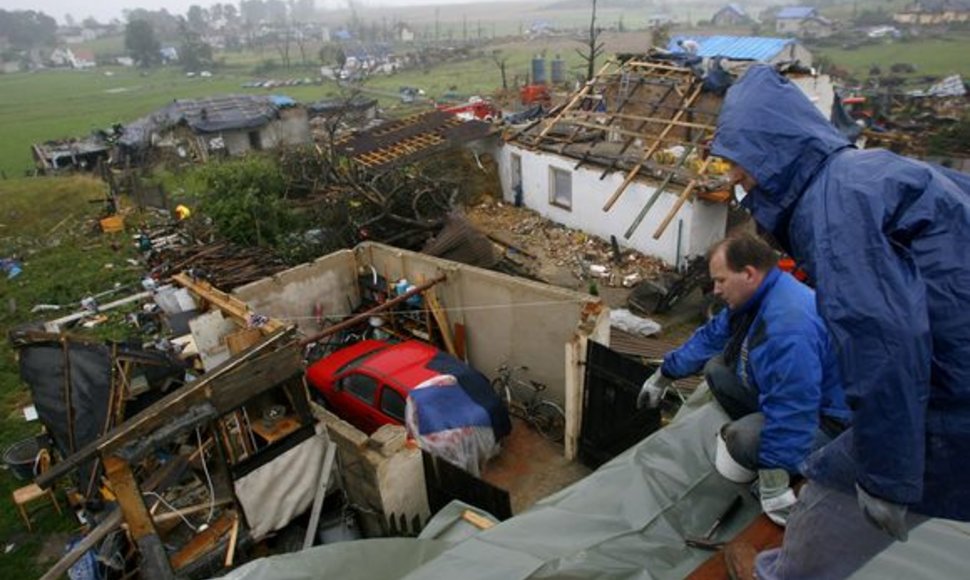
742	250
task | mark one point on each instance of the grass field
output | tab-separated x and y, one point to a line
49	222
932	56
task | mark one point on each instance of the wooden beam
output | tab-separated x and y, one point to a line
205	541
227	303
441	317
242	376
155	562
653	148
681	199
762	534
647	120
576	98
108	525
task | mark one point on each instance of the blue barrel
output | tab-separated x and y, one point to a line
558	71
538	71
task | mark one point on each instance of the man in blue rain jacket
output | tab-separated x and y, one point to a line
886	239
768	362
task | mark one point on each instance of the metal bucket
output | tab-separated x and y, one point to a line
20	458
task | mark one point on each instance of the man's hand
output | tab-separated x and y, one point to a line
887	516
652	389
777	497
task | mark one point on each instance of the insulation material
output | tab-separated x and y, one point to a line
209	331
272	495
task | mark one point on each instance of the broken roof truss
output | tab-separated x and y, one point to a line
409	139
650	119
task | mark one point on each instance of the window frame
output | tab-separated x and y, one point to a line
554	194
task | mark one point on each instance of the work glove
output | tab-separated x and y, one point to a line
777	497
887	516
652	389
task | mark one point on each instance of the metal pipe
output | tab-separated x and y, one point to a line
367	314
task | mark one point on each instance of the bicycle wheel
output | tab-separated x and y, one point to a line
502	390
549	420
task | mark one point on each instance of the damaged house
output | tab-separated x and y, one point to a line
227	450
627	155
217	126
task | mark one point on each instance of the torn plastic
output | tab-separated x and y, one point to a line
447	423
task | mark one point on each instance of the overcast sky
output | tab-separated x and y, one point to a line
105	10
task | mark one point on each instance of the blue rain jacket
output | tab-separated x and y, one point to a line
887	241
789	361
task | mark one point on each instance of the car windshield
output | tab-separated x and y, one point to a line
356	362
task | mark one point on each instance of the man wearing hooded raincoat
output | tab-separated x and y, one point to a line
886	240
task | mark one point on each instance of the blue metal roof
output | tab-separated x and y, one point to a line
735	47
796	12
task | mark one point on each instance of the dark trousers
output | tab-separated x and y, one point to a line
743	434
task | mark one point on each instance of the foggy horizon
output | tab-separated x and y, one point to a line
104	12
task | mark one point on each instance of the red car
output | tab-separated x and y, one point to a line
367	383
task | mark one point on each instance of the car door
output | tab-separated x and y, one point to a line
357	396
391	404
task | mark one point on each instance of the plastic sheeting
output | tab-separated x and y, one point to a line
447	423
273	494
626	520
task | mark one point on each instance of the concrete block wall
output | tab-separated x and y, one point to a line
382	475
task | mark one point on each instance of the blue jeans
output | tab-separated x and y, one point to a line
827	536
743	434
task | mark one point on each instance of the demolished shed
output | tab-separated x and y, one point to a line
219	444
227	125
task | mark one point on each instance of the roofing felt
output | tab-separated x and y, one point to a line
409	139
208	115
758	48
794	12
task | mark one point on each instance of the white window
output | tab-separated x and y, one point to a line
560	188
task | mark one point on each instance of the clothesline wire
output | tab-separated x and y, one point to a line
338	317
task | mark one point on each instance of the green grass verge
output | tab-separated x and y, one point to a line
49	222
931	56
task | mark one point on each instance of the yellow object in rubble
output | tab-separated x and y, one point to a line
182	212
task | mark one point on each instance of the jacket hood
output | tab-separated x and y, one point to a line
769	128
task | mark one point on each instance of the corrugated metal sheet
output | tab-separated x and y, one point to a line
796	12
758	48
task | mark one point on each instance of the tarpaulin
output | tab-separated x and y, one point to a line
628	519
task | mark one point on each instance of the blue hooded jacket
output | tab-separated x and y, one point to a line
789	361
887	241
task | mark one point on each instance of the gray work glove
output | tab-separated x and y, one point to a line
777	497
652	389
887	516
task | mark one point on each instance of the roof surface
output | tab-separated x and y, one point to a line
735	47
629	519
796	12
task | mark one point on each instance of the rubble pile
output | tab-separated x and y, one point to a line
538	244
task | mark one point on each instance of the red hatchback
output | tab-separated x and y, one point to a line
367	383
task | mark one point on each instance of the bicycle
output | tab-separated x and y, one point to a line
545	416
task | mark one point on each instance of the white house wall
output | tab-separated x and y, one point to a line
696	226
237	142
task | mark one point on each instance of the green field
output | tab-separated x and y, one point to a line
932	56
49	223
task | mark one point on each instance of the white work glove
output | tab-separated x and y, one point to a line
652	389
777	497
887	516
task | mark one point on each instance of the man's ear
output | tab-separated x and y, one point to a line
750	272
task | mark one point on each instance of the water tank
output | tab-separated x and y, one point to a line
558	71
538	70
